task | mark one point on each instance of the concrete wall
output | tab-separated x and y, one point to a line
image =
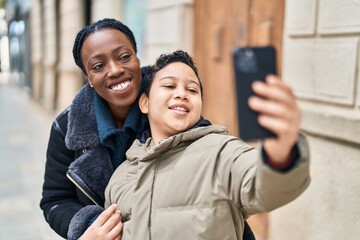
71	78
56	78
106	8
170	27
50	55
37	50
321	63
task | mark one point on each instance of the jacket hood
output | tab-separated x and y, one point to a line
144	151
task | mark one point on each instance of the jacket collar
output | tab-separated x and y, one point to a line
144	151
82	129
201	123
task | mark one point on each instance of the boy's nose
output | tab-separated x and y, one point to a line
181	93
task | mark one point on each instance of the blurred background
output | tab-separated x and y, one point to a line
317	43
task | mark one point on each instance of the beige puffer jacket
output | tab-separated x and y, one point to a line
200	184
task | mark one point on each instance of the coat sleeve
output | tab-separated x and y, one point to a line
59	200
256	187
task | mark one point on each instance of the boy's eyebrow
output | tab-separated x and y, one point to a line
176	79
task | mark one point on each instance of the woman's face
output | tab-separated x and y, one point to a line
113	68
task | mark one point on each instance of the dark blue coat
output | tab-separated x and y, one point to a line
78	168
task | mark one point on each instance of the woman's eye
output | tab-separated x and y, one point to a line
124	57
169	86
98	66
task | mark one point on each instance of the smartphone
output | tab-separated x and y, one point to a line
250	64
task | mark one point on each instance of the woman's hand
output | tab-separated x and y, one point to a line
107	226
278	112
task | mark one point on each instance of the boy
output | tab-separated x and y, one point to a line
190	179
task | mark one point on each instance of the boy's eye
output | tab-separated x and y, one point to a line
193	90
169	86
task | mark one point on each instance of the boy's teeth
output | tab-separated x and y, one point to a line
180	109
120	86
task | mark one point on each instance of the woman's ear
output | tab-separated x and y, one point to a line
144	103
89	81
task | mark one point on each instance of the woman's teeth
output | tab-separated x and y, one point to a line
121	86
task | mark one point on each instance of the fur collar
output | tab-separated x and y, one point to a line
82	128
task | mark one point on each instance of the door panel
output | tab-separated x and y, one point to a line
220	26
218	29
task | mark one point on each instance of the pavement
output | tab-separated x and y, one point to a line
24	132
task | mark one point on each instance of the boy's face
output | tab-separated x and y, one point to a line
174	104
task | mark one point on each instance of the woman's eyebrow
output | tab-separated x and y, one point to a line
100	55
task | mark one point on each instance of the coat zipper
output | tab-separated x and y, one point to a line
81	189
152	195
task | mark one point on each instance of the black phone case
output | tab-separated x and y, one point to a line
251	63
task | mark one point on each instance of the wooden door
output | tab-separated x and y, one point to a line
220	26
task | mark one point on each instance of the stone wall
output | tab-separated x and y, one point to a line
170	27
321	63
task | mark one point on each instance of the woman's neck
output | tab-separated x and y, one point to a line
119	115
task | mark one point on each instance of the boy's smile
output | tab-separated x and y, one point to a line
174	104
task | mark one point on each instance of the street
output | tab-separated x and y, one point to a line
24	132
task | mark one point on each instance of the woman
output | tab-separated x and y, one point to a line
89	139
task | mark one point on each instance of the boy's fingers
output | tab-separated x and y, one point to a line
116	231
274	89
112	221
269	107
279	126
105	215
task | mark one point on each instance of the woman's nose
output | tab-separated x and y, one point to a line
115	69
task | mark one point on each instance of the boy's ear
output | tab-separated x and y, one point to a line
143	103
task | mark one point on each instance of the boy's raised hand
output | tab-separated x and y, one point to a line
278	112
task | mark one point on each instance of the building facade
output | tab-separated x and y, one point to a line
319	52
321	63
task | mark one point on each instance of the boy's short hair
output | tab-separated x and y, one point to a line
164	60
